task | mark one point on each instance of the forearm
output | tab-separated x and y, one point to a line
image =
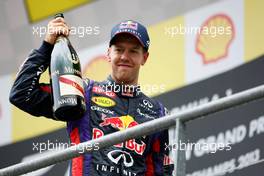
26	92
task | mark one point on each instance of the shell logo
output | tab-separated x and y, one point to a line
97	69
215	37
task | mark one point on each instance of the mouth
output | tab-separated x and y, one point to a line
124	65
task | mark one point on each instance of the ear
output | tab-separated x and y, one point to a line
145	58
108	54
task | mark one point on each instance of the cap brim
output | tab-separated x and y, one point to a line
110	43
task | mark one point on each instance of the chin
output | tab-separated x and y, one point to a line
124	78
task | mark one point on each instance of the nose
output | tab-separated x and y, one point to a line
125	55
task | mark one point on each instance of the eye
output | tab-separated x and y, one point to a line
118	50
134	51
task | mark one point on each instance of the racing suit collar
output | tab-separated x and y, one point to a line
122	89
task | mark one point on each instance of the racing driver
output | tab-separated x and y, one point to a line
110	106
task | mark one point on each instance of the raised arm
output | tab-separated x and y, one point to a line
27	93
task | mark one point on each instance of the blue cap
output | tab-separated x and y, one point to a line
134	28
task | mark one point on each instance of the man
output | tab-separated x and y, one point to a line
112	105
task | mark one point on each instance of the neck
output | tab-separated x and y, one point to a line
126	82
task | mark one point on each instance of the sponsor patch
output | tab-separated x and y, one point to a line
119	156
99	90
103	101
129	24
103	110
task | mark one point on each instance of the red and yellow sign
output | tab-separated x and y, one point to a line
215	38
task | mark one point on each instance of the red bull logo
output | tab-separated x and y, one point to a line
129	24
121	123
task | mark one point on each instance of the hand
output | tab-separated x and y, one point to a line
56	27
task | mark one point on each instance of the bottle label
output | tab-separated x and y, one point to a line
71	85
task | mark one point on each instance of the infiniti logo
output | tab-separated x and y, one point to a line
147	103
148	106
143	114
118	156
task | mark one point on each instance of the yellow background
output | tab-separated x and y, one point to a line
38	9
254	29
165	64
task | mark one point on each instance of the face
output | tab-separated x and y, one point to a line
126	56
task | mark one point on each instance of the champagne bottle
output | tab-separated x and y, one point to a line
67	84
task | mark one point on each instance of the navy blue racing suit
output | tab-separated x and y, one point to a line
108	110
